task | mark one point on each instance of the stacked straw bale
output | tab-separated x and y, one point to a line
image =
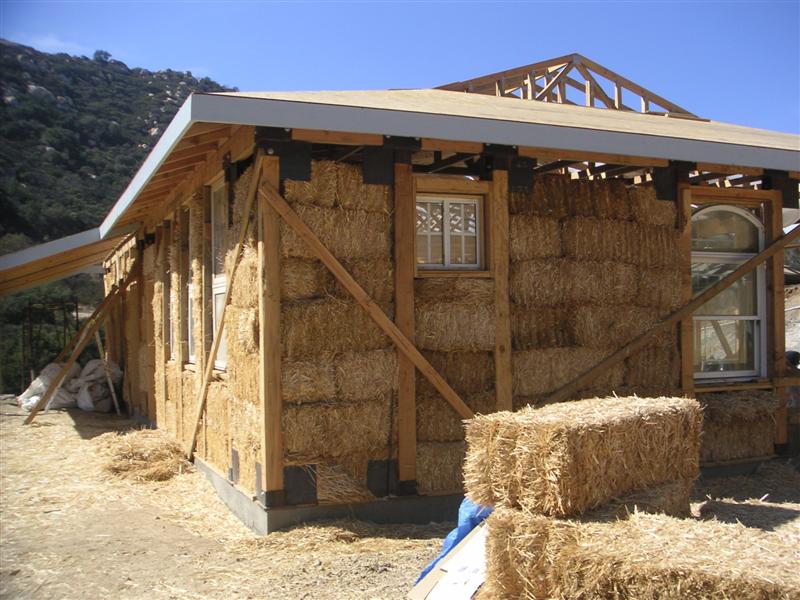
564	459
643	556
593	265
338	369
738	425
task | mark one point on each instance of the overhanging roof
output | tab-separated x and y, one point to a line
458	116
54	260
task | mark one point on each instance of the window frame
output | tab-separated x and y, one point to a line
759	319
479	201
219	281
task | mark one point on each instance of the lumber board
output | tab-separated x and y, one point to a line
202	393
437	184
343	138
429	144
365	301
404	236
686	326
686	310
777	316
499	239
269	314
550	154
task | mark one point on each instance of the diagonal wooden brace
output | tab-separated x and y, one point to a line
271	195
686	310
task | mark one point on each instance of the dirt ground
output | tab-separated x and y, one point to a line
68	529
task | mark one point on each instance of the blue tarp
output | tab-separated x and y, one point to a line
470	516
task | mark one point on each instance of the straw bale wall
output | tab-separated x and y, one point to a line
564	459
738	425
593	265
338	371
440	467
532	556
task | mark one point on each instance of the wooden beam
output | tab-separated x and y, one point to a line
773	215
499	239
206	128
344	138
446	162
554	82
365	301
686	310
551	154
429	144
193	151
269	314
404	235
448	185
202	394
729	169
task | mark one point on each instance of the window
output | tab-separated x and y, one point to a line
449	232
728	329
219	283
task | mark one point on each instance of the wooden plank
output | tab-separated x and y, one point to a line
197	150
734	387
429	144
449	185
775	292
552	83
365	301
477	83
465	274
202	393
687	310
104	358
729	169
686	326
499	239
344	138
404	236
78	334
205	128
269	313
552	154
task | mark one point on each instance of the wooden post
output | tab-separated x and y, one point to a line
686	310
104	358
404	234
202	393
686	326
777	357
498	206
269	314
365	300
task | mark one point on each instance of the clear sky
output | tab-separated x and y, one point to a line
734	61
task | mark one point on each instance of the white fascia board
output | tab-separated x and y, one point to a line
65	244
308	115
179	125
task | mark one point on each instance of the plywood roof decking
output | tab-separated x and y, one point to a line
54	260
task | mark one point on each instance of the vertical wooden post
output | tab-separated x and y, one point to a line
776	315
269	313
404	233
686	329
498	206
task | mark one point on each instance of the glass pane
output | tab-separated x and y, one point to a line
456	253
219	220
456	217
470	218
429	217
724	345
222	351
723	231
470	250
437	249
739	299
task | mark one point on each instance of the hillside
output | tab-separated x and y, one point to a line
73	130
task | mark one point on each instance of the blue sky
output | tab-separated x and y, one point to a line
731	61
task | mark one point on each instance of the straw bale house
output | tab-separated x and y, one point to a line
388	263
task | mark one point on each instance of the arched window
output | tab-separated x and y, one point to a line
728	329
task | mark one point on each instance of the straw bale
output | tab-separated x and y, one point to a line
613	326
738	425
558	196
308	380
437	421
440	467
242	341
324	430
330	325
670	498
376	276
245	290
188	403
531	236
466	372
217	425
348	234
172	376
143	455
321	190
445	289
352	193
542	327
570	282
303	279
648	209
246	435
654	370
660	289
564	459
366	375
544	370
646	556
336	485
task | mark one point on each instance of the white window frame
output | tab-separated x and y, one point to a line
759	319
219	281
447	200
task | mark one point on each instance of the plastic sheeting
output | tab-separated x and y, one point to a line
85	388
